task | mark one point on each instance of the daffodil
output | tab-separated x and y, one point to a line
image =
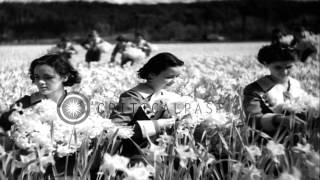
253	151
276	149
138	173
295	175
113	163
185	153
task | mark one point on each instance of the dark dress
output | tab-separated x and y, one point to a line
132	107
93	55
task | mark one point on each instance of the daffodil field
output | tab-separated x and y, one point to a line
211	140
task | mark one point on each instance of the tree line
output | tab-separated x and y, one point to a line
202	21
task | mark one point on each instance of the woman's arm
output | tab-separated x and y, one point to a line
154	127
130	112
258	114
125	110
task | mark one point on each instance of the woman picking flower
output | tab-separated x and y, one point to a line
51	74
92	45
137	107
268	101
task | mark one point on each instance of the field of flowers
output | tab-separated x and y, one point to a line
214	74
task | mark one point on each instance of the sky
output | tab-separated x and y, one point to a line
124	1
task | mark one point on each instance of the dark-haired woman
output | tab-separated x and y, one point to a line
50	73
136	107
265	99
91	44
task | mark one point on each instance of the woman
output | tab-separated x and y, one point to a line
142	44
92	46
136	106
64	47
265	99
51	74
128	51
304	43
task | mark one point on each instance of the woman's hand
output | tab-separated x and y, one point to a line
153	127
163	123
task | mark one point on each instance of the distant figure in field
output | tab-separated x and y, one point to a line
304	43
142	44
128	51
64	47
280	38
94	45
276	36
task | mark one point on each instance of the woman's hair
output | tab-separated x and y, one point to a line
60	64
159	63
276	53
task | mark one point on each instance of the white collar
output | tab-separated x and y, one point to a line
142	92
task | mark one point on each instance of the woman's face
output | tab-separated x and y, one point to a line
47	79
165	78
281	70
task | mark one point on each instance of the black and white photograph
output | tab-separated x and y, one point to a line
159	89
